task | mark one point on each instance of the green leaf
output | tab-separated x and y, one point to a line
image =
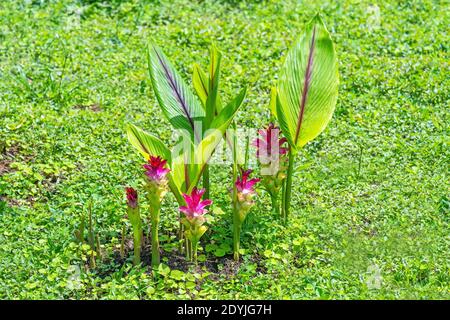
201	83
308	85
273	102
220	252
219	125
183	168
178	176
177	274
214	74
177	102
176	191
163	269
224	118
147	144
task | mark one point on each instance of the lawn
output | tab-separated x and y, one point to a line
370	198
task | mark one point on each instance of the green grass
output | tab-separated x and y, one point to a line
371	195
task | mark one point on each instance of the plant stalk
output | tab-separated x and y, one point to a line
275	204
137	234
91	236
122	242
236	236
288	187
181	235
283	198
92	260
188	249
155	238
91	227
206	181
194	251
98	247
236	220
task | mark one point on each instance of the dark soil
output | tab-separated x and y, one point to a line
7	157
218	267
95	107
5	166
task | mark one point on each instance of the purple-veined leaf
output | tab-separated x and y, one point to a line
308	85
177	102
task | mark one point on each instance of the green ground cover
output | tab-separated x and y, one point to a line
370	204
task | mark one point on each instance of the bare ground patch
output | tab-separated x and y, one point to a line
7	157
217	267
94	107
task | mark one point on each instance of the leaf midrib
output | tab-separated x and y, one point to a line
306	85
177	94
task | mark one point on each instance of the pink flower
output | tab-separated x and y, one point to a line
194	207
132	197
155	170
243	185
269	145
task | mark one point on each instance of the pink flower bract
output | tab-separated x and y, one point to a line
243	184
269	144
155	168
194	206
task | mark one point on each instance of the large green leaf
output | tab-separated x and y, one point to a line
308	85
214	74
205	149
224	118
147	144
179	105
273	102
183	166
201	83
182	171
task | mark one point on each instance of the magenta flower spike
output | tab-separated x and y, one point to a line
195	207
156	178
156	187
155	169
244	185
135	220
132	197
271	154
243	194
269	146
194	211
